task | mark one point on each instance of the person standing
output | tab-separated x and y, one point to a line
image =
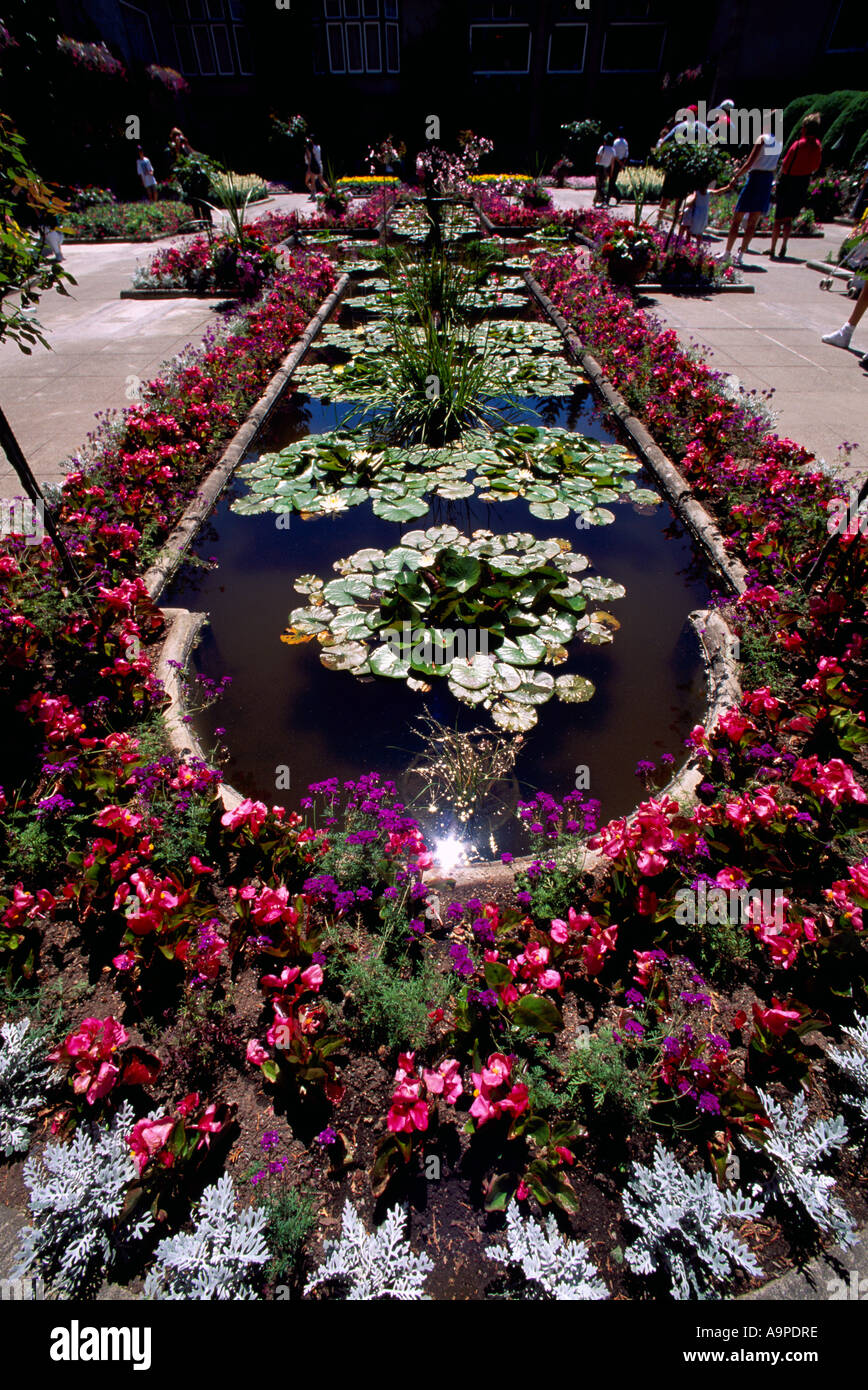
800	162
694	218
622	154
316	166
841	337
145	171
605	160
755	198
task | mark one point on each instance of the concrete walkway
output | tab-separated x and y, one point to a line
771	341
101	347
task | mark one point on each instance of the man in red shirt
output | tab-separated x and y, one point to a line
800	163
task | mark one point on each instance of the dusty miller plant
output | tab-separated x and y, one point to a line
380	1265
854	1064
77	1196
553	1266
25	1077
795	1150
682	1232
219	1258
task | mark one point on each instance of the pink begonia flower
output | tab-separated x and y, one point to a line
559	931
247	812
256	1053
734	725
313	977
522	1192
148	1137
777	1019
445	1081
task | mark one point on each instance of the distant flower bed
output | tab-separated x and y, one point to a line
225	186
204	266
366	183
126	221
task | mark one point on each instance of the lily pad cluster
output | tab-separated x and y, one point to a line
556	471
486	613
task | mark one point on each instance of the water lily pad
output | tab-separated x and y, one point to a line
574	690
515	719
549	511
385	661
406	509
536	688
345	656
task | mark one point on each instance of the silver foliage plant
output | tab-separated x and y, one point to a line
682	1219
25	1077
795	1150
854	1064
77	1195
379	1265
217	1260
554	1266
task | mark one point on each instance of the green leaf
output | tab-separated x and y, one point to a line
537	1013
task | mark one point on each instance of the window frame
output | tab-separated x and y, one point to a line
634	24
502	72
567	72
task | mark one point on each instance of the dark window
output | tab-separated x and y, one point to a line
567	47
196	9
225	63
393	49
633	48
336	47
373	60
500	47
139	33
355	56
242	47
236	9
205	50
186	49
215	9
850	30
353	46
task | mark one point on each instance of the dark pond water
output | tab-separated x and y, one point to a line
285	710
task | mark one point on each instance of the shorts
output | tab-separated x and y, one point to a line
791	196
756	196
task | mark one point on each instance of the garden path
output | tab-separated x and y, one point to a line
98	343
771	340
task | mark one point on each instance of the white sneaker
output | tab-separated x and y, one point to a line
738	260
840	338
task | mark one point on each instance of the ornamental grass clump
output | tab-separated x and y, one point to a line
682	1232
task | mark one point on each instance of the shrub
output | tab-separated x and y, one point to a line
380	1265
24	1081
393	1007
601	1067
290	1220
682	1234
219	1258
553	1267
77	1196
795	1150
854	1065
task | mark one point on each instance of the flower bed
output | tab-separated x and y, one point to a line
536	1043
126	221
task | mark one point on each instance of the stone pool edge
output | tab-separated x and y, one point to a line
184	625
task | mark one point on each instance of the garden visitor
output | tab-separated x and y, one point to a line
861	204
314	168
605	160
622	154
694	218
179	145
689	131
145	171
841	337
755	198
800	162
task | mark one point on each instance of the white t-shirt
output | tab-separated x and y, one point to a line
621	148
605	155
768	157
146	172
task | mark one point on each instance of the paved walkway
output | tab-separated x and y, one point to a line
101	346
770	340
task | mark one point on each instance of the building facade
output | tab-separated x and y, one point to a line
359	69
